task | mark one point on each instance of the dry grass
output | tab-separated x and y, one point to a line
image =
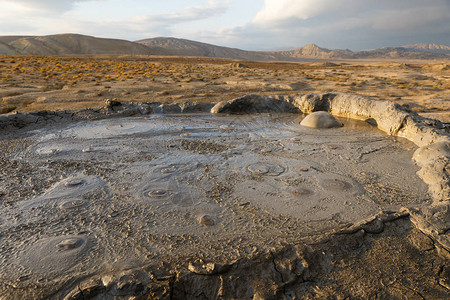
35	83
6	109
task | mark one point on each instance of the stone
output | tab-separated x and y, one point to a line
429	153
206	220
238	66
434	160
254	104
112	103
374	227
313	102
207	268
388	116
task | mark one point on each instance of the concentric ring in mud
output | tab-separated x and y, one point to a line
158	193
74	182
180	195
70	243
333	183
121	127
255	210
266	169
74	187
74	203
169	169
300	191
55	254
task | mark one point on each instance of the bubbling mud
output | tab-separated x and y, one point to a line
169	170
158	193
74	183
56	254
163	187
69	244
266	169
73	203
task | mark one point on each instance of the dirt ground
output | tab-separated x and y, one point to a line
57	83
70	226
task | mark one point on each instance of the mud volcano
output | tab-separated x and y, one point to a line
172	201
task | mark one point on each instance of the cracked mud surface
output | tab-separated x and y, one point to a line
192	206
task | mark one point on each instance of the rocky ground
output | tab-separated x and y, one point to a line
123	201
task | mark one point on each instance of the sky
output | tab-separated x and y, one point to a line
243	24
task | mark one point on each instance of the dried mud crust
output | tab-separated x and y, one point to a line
391	254
202	147
358	265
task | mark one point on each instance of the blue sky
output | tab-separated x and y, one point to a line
245	24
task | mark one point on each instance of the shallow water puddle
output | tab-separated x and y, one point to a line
175	185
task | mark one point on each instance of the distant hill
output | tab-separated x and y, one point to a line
428	48
7	49
314	51
70	44
183	47
76	44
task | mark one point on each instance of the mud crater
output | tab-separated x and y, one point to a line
226	179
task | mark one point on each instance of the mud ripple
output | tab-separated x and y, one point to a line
169	169
266	169
158	193
55	254
300	191
71	243
335	184
73	203
74	182
73	187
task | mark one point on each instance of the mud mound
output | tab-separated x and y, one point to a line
320	119
253	104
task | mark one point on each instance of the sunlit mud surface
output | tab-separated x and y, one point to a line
119	193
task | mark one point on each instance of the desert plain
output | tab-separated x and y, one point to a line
100	201
33	83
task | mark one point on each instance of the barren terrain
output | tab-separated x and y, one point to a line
29	83
98	204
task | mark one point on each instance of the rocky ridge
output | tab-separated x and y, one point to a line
76	44
429	47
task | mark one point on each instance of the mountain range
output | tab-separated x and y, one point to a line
76	44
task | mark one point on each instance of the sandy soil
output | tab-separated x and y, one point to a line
58	83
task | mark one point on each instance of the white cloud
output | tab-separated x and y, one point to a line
275	11
194	13
144	26
279	24
411	18
382	14
36	18
46	5
353	24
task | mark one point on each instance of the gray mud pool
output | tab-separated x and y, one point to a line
97	196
